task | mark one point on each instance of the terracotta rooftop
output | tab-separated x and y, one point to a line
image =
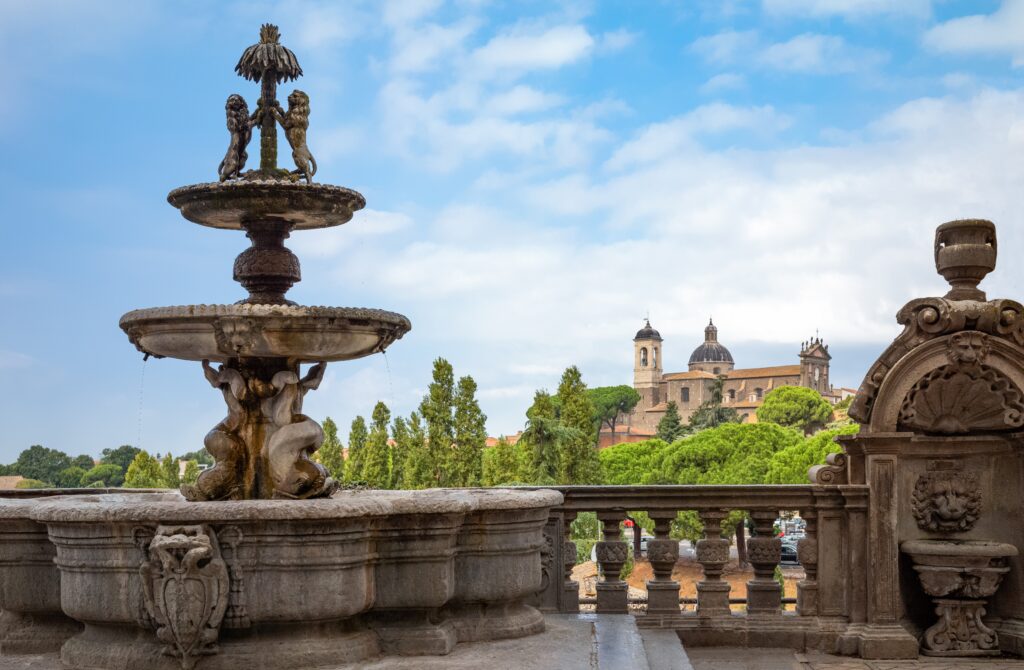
692	374
776	371
660	407
511	439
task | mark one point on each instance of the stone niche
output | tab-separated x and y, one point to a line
941	444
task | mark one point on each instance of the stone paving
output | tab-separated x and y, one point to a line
612	642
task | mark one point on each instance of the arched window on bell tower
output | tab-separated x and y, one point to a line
643	357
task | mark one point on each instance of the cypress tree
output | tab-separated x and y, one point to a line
169	472
578	462
542	436
377	455
399	451
671	427
470	435
356	447
436	409
331	454
417	473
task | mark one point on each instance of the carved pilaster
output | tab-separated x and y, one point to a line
713	554
612	592
662	552
764	550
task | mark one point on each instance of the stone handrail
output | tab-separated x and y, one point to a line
831	514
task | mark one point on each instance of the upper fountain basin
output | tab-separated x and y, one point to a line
232	204
220	332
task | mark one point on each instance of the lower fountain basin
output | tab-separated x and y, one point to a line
220	332
159	582
31	620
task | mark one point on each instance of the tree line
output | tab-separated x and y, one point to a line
126	466
440	444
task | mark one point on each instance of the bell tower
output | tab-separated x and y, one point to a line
647	368
814	358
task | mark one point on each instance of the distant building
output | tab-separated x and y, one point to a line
743	389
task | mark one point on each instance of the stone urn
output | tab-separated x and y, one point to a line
965	251
960	576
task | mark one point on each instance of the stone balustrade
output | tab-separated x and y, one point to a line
826	605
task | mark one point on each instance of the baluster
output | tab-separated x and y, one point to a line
662	552
807	553
713	554
570	601
612	592
764	551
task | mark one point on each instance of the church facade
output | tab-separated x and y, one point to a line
743	388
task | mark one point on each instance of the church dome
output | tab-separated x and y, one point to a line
710	351
647	333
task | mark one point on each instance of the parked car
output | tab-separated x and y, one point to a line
789	556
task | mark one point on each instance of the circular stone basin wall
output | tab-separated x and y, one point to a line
164	583
31	620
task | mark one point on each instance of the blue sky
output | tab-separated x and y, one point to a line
539	177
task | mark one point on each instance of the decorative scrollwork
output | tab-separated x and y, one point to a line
926	319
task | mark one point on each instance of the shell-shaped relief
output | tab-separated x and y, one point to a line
956	399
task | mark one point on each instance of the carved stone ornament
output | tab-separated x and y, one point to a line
965	395
235	335
764	550
807	551
186	586
712	551
547	561
946	501
834	471
612	552
960	630
662	551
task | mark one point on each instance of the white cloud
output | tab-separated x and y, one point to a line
522	99
403	12
813	53
521	49
670	137
999	33
726	81
725	47
326	242
418	49
10	360
616	40
848	9
808	53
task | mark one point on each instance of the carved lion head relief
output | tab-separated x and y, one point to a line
946	501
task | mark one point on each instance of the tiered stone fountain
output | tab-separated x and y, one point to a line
264	563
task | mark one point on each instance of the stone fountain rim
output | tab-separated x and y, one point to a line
19	507
246	310
327	197
171	507
958	548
